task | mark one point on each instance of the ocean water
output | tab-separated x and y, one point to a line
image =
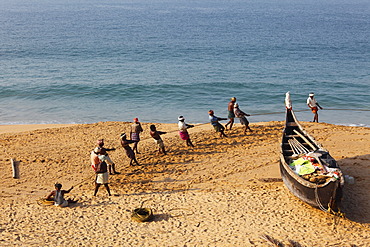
84	61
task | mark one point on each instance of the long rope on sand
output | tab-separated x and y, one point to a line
258	114
281	112
325	109
85	180
333	109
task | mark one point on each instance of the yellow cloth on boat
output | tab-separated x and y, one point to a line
306	169
303	166
299	162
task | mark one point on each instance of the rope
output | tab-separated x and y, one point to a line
325	109
89	178
329	210
279	112
321	207
334	109
271	113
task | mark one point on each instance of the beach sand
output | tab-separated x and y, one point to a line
222	192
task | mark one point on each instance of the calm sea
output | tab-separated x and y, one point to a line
84	61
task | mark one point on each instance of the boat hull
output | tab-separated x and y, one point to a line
325	196
328	196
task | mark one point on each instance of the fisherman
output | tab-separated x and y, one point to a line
58	196
103	151
216	125
183	131
241	115
102	176
314	105
231	115
129	152
157	138
135	131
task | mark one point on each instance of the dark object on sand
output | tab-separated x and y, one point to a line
325	195
15	168
50	202
142	214
45	202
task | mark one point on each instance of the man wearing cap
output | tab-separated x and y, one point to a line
183	131
231	115
314	106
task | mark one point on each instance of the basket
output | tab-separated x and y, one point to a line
142	214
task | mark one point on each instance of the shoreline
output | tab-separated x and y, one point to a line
16	128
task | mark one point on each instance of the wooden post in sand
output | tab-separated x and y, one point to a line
14	168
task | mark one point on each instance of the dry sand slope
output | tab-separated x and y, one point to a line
223	192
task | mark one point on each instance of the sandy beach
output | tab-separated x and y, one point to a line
222	192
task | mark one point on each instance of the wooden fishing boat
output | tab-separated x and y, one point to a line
321	189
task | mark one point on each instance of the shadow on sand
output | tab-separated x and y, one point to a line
356	197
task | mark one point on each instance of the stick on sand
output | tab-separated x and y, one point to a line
14	168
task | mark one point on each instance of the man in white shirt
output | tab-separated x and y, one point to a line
314	105
183	131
